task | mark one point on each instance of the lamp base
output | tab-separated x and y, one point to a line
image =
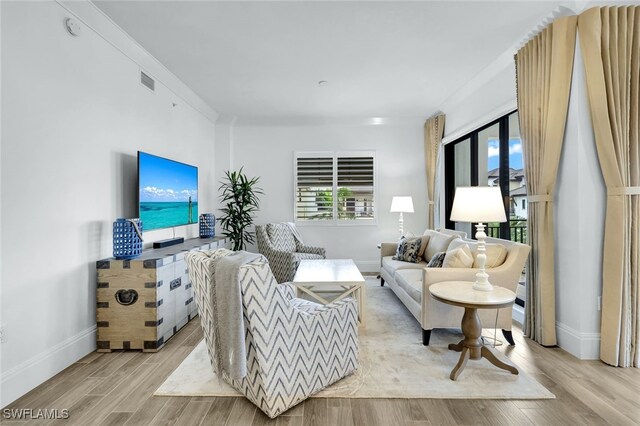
482	282
482	278
482	286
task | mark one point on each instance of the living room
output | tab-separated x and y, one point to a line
253	85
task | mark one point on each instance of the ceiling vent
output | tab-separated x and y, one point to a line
147	81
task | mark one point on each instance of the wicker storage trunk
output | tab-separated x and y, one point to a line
142	302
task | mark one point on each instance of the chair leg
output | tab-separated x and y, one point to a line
509	336
381	282
426	336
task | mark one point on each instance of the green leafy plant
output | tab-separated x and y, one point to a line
239	198
324	201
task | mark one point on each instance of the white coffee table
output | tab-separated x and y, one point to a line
461	293
338	276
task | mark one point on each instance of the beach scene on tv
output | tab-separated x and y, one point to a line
168	192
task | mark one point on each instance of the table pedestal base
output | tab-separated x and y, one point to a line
472	347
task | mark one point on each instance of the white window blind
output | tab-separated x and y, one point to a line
335	186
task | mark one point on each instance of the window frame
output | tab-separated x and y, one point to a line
449	169
335	221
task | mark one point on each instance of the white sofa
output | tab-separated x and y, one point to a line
410	282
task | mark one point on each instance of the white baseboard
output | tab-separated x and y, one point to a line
518	314
581	345
34	371
368	265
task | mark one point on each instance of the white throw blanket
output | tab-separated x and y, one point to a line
229	323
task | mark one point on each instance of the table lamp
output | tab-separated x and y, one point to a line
401	205
479	204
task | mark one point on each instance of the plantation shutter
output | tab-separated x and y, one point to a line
355	187
314	188
335	187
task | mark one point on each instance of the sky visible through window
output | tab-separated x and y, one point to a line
515	153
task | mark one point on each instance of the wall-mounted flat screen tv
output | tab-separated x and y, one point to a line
167	192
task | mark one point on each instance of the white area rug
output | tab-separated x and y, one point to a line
393	364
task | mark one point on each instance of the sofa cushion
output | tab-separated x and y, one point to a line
460	234
391	266
496	253
410	280
459	257
408	249
437	242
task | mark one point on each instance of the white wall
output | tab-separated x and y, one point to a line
74	114
579	201
267	150
224	157
481	104
579	218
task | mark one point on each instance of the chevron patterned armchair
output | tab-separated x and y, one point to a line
294	347
282	245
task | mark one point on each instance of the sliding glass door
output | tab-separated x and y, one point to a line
490	156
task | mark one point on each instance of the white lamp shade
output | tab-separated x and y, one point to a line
401	205
478	204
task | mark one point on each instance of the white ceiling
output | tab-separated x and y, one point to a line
381	59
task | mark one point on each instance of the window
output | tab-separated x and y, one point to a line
490	156
335	187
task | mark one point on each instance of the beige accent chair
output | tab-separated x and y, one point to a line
410	282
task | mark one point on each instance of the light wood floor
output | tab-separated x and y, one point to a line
116	389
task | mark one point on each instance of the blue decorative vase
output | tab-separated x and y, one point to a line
207	225
127	238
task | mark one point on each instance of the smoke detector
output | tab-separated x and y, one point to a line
73	27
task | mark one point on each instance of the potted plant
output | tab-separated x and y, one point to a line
240	201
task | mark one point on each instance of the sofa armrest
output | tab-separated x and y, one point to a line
387	249
342	304
287	289
346	309
288	256
312	250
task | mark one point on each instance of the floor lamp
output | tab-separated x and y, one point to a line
479	204
401	205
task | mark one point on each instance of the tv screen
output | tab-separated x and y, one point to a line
167	192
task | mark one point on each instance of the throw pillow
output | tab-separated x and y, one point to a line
496	253
423	246
460	257
437	242
437	259
408	250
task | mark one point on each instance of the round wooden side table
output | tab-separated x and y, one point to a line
461	293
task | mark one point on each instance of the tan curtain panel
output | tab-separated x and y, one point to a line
610	40
433	131
544	67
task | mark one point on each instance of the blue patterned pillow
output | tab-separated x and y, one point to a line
437	260
408	250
